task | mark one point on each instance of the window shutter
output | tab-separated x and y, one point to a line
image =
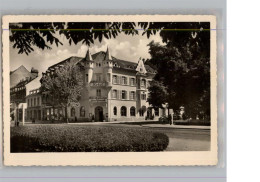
126	95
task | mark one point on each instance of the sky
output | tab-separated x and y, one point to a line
126	47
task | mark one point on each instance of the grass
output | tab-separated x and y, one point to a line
80	138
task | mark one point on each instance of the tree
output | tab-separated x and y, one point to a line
42	35
64	85
183	67
158	94
183	63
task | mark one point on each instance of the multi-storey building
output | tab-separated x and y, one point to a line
34	105
114	90
19	78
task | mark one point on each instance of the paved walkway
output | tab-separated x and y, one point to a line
177	126
143	124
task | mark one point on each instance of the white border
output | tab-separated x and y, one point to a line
109	158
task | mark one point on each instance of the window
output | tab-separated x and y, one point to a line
148	84
35	102
143	96
108	77
38	100
98	78
114	94
123	111
123	94
72	112
82	111
124	80
98	93
115	111
132	111
143	82
114	79
132	95
156	111
141	112
86	78
132	81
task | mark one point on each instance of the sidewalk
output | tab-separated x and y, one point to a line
177	126
143	124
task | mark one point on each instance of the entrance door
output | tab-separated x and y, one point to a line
149	113
98	113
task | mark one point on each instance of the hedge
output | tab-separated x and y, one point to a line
83	138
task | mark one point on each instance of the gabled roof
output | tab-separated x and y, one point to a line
72	59
101	56
20	74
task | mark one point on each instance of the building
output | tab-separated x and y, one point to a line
19	78
114	90
34	100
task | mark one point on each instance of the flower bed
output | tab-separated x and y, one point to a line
83	138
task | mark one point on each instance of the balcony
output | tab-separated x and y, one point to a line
99	84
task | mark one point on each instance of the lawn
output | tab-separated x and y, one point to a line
80	138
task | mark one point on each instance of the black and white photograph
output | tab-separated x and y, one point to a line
125	86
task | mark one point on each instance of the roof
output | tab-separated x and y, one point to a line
72	59
100	56
20	74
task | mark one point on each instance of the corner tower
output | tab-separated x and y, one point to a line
108	66
89	63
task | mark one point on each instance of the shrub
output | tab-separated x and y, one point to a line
70	138
192	122
163	119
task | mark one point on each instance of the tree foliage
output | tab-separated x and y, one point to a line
64	85
183	64
42	35
183	67
158	94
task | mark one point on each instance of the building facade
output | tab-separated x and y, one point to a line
34	109
19	79
114	90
